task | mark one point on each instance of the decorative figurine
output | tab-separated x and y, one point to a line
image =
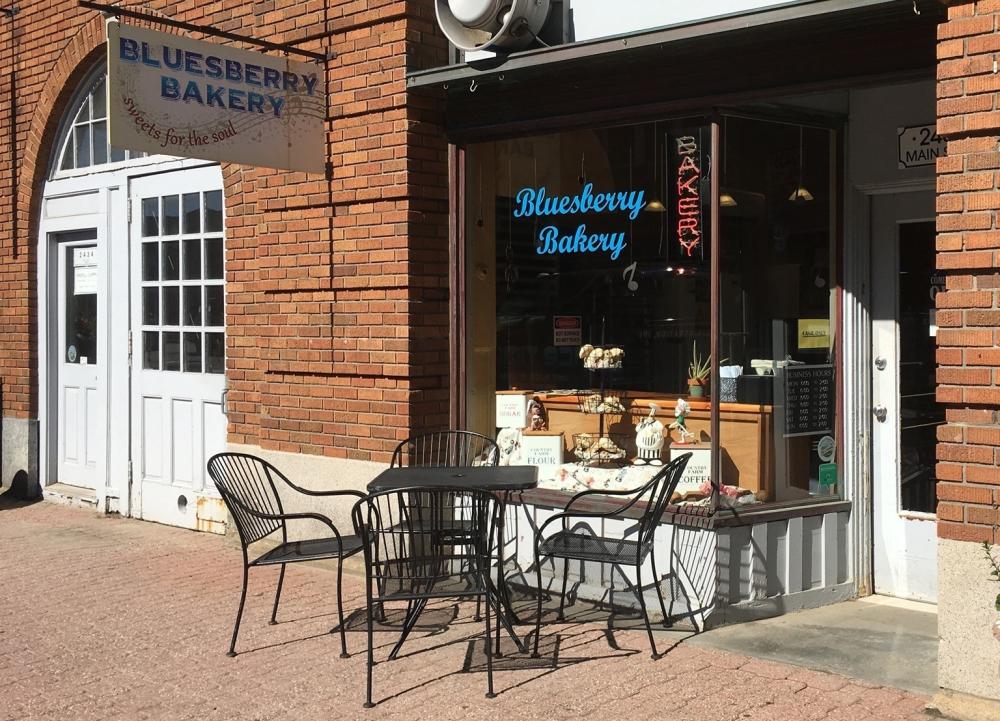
509	442
537	418
649	438
681	411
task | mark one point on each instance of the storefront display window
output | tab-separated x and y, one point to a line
589	313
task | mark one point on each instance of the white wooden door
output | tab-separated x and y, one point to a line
178	339
80	341
905	414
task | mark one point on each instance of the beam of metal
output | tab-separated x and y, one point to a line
206	29
496	67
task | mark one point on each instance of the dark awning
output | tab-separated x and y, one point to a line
798	45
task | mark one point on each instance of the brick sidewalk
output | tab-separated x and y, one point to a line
105	618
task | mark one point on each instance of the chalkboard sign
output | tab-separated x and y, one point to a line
810	399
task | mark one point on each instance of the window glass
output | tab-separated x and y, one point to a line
777	303
85	134
589	283
81	305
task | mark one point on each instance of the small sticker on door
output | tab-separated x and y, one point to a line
826	447
71	354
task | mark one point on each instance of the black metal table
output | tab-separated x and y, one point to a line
497	479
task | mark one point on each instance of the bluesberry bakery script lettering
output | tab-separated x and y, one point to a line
555	239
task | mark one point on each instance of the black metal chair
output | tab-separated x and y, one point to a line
440	449
409	555
447	449
582	544
248	488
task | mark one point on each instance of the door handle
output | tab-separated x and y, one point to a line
224	400
880	363
880	413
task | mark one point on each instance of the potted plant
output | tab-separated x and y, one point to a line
698	373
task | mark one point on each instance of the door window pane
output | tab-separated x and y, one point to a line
214	258
919	413
192	352
214	305
171	260
192	259
192	305
150	261
215	353
171	215
171	305
192	213
98	101
171	351
151	350
213	211
81	305
150	306
150	217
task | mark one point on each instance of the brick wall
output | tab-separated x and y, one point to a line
968	245
336	287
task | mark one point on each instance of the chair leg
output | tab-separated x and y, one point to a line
562	596
488	638
239	612
371	651
538	614
645	614
277	595
340	608
659	592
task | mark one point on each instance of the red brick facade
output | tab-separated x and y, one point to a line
336	287
968	245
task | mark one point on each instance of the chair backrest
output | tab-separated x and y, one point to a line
247	482
415	537
447	448
660	489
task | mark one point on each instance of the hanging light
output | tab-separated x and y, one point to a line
655	205
726	200
801	193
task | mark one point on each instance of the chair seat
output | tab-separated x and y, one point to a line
309	550
587	547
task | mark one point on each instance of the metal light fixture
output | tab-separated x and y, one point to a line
726	200
655	205
801	193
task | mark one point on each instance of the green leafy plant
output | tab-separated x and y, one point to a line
995	572
700	368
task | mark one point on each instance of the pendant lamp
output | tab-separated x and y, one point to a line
801	193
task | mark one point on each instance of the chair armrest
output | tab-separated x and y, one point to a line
289	517
309	492
539	537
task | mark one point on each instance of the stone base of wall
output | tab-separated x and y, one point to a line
20	457
964	707
969	656
316	473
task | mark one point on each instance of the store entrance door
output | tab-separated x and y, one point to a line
905	414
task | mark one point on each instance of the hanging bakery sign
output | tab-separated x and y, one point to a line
688	194
170	95
555	240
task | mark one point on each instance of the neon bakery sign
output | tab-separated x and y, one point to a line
537	203
688	195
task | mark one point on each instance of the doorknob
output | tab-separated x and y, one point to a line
880	413
880	363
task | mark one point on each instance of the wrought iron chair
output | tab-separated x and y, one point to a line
446	448
582	544
409	555
248	488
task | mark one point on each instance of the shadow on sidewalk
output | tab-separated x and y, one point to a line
18	495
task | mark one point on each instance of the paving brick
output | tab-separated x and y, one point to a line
135	618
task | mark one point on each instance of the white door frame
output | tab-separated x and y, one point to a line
88	199
909	534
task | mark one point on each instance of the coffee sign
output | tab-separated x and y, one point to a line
170	95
